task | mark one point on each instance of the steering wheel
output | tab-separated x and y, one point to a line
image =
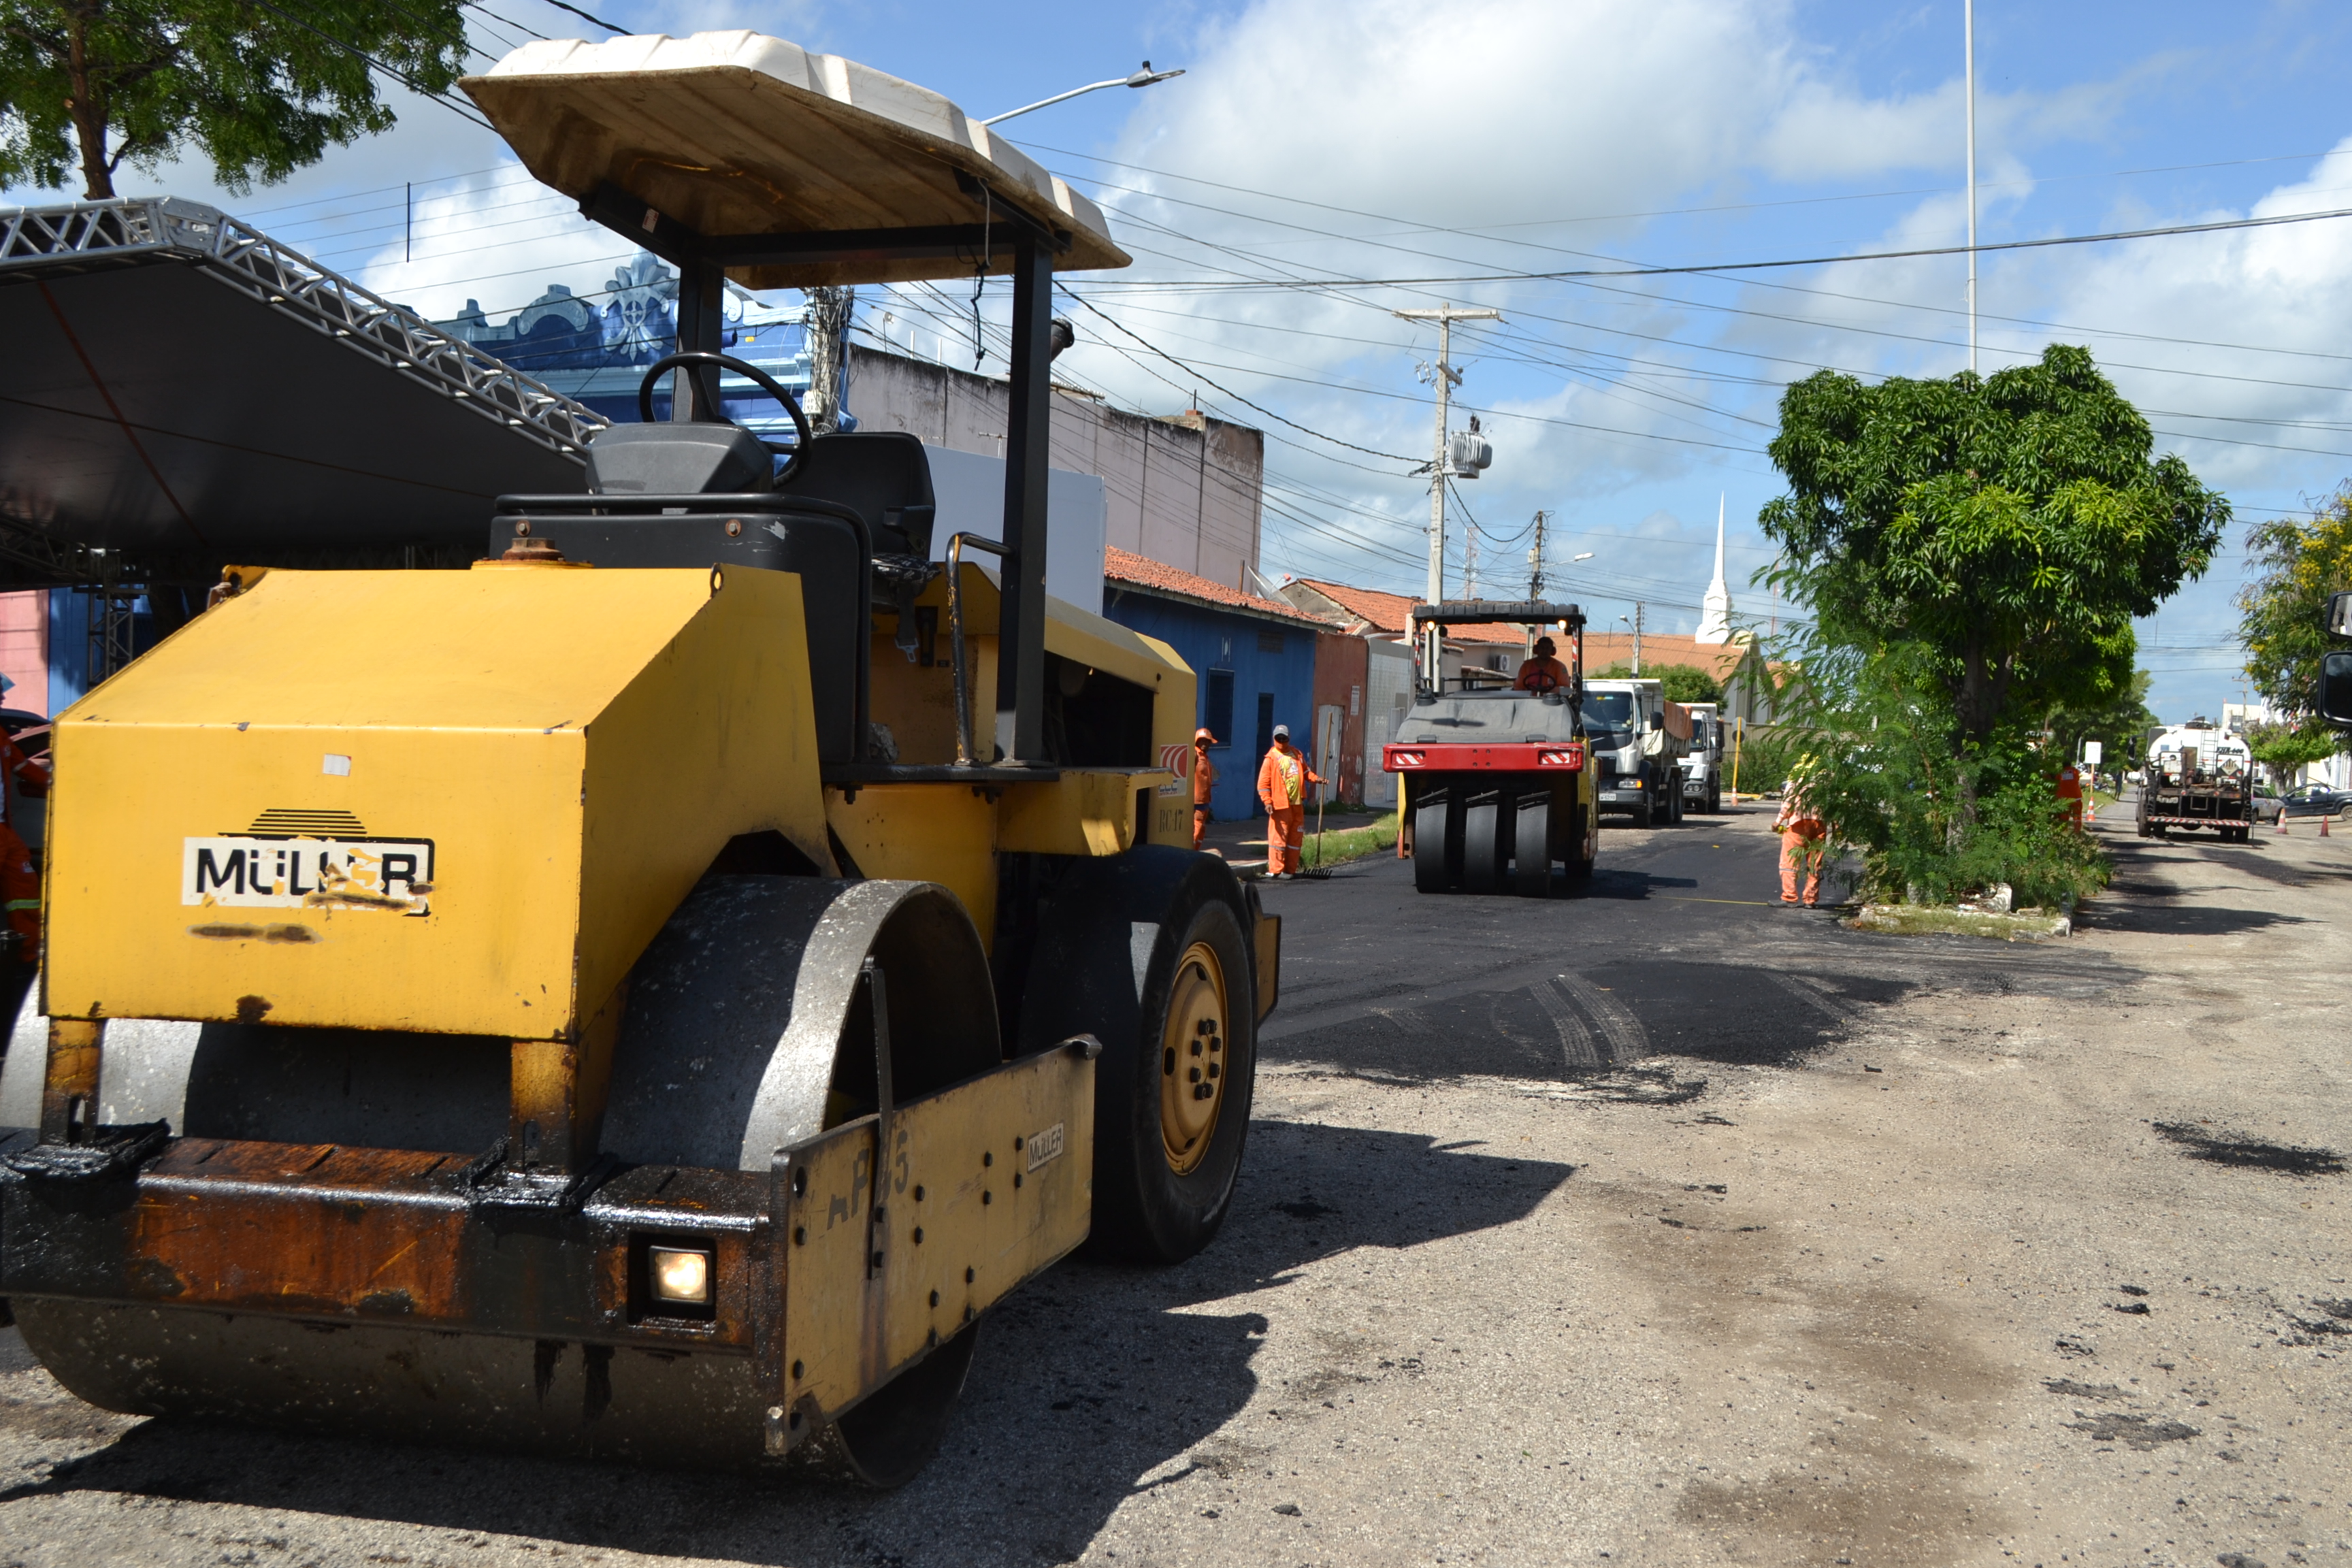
1540	680
766	384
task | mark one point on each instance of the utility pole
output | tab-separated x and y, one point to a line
1445	378
1535	561
1469	556
1968	23
1637	636
830	312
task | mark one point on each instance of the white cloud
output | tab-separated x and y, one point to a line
1480	116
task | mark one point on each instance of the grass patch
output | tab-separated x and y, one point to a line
1928	919
1339	845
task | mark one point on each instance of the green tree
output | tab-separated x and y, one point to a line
2009	528
1681	682
2118	718
2298	564
2286	748
263	89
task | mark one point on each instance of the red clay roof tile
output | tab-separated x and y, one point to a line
1157	576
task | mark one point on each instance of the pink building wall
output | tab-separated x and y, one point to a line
24	650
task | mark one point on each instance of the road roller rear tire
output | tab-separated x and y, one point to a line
1484	848
1436	846
1531	847
1172	1158
1141	950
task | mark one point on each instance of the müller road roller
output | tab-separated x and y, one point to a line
648	995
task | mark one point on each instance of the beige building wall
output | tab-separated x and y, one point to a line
1186	492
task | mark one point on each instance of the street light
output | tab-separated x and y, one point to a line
1144	77
1587	555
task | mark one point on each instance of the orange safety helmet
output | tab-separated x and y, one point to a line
1203	734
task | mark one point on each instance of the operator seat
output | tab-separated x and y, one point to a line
884	475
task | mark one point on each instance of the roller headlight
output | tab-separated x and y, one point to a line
680	1276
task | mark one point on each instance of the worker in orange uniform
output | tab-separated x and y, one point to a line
1802	847
2070	792
1282	780
1204	778
1543	672
20	884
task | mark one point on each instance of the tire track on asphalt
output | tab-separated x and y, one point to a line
1628	1040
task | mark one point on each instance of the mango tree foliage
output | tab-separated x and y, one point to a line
261	89
2298	564
2007	529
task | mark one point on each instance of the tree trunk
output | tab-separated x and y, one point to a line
89	110
1983	691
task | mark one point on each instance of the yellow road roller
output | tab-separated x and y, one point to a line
648	995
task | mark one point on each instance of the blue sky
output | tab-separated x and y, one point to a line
1372	139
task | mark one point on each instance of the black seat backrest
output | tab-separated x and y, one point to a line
679	459
882	475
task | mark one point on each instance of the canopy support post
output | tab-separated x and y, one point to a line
1020	641
701	301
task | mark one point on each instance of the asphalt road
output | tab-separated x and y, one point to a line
1651	1225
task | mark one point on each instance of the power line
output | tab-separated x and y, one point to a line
586	16
1486	231
452	105
1171	359
1564	274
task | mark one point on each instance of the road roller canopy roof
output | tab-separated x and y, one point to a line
1498	611
791	169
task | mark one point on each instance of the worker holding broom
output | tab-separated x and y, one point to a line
1282	780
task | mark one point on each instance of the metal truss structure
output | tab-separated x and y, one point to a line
111	233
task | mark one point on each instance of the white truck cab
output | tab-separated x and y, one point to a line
1638	739
1703	766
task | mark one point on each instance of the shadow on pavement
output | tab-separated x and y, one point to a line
1093	1384
2142	917
1613	882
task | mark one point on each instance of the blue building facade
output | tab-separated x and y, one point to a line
1253	664
594	348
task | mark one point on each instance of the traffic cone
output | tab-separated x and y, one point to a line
2282	822
2323	828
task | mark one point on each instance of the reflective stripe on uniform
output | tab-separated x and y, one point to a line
16	904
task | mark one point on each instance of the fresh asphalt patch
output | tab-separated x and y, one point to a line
2221	1147
1679	948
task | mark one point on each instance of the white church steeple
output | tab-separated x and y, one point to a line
1715	616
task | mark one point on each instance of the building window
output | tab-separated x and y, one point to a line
1269	642
1265	722
1218	715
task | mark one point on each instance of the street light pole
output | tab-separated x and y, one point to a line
1446	379
1968	21
1145	77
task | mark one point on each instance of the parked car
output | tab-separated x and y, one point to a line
2267	804
2314	800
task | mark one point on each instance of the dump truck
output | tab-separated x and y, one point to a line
1639	740
2198	777
1703	764
646	995
1493	777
